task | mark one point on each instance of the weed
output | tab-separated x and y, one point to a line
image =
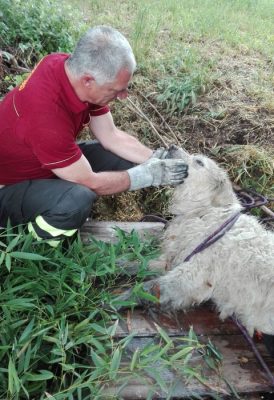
183	82
178	93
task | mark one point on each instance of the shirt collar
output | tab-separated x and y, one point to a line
68	93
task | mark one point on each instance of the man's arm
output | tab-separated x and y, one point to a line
117	141
102	183
151	171
154	172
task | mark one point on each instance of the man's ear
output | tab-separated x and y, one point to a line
87	80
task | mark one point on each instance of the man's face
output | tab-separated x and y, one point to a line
104	94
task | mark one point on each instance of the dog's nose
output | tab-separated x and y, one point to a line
177	152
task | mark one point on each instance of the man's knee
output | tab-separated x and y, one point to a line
74	207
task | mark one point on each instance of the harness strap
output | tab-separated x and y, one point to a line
216	235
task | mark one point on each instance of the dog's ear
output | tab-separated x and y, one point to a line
224	195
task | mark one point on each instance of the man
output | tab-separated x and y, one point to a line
39	124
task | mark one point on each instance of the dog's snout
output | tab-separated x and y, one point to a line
178	152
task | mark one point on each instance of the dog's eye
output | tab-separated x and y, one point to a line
199	162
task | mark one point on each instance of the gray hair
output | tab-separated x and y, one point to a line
102	52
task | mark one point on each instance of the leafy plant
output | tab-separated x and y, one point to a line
15	80
179	92
35	28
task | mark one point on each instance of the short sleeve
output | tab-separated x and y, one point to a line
96	110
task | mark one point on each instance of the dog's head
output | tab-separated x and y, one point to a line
207	185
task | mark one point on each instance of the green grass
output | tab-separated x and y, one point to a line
58	322
162	28
249	166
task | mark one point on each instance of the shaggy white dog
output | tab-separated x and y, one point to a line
236	272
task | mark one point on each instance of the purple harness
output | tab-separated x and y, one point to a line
216	235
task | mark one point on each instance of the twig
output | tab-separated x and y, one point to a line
160	115
267	211
140	113
134	110
141	116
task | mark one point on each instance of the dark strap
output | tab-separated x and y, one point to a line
250	341
216	235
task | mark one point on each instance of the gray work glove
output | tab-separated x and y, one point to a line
160	153
172	152
156	172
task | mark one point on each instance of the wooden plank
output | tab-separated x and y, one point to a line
204	319
239	367
105	230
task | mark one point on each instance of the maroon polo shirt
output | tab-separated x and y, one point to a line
39	122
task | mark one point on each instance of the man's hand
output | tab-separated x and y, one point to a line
157	172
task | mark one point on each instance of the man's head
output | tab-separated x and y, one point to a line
101	65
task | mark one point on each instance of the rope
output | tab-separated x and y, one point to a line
250	341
